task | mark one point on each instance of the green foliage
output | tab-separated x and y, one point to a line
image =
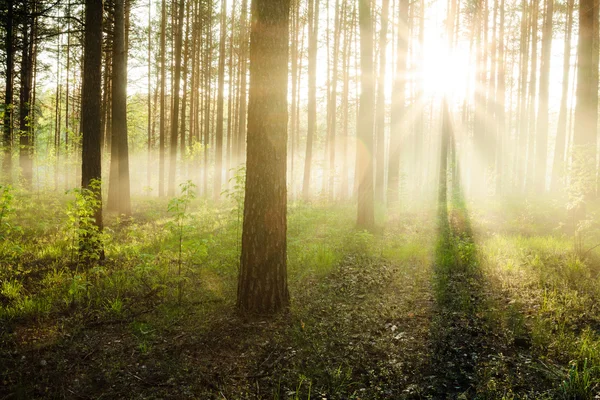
178	207
87	241
582	381
6	209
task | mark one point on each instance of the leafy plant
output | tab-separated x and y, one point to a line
6	208
86	238
236	195
178	206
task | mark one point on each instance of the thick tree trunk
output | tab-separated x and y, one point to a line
91	168
262	283
583	178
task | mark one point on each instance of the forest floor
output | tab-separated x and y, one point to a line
460	303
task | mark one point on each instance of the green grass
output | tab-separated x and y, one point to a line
373	316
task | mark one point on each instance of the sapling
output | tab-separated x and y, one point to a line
178	206
236	195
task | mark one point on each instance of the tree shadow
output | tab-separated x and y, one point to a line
474	353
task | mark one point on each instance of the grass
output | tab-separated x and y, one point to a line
464	304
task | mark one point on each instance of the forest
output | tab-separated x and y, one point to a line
299	199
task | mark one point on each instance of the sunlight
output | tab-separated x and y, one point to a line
444	72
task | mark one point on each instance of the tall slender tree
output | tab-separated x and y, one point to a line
542	116
364	149
174	120
398	117
220	105
558	165
313	32
163	106
8	93
118	186
380	106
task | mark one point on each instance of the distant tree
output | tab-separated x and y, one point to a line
119	198
163	106
8	93
313	33
262	282
558	167
541	151
176	99
399	111
364	149
218	177
380	106
25	90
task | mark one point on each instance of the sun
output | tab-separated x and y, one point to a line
446	72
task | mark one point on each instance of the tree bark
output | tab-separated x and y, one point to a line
91	167
262	282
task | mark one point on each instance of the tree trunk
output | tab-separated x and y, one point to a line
529	177
8	95
25	137
262	282
91	167
176	98
242	117
398	118
118	185
364	148
558	168
542	119
380	116
220	106
313	33
163	83
583	169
